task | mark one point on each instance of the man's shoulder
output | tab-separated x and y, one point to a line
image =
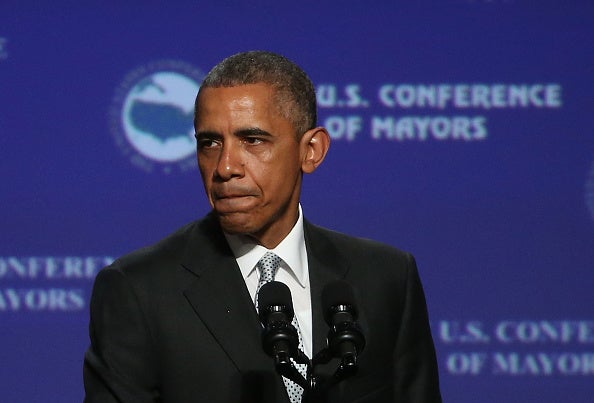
165	246
168	251
351	245
360	259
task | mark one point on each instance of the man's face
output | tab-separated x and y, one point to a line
250	161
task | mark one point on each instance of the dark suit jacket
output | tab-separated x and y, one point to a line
175	323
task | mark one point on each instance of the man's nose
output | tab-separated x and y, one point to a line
230	163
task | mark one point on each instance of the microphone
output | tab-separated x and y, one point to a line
280	339
345	338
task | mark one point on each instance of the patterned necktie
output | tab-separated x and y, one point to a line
268	267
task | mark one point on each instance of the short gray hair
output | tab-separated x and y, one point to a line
295	92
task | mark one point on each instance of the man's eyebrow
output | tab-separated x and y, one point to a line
205	134
252	131
245	132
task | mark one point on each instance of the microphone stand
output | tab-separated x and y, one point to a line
280	339
288	370
314	389
345	340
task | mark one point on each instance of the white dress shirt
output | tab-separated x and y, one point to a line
293	271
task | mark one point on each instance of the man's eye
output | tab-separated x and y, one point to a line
207	143
253	140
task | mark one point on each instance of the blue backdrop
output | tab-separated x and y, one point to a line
463	132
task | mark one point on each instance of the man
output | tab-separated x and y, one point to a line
177	322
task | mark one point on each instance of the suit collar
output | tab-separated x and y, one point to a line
204	244
326	264
220	298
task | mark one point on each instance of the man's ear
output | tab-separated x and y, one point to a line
314	146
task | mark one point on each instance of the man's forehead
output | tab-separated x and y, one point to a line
258	89
259	94
246	100
240	107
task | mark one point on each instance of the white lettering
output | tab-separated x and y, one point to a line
465	363
530	332
51	268
353	93
543	364
460	128
481	96
340	127
326	96
39	299
462	332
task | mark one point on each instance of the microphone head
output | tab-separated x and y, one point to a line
275	297
338	296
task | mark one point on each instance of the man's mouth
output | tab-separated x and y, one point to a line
222	196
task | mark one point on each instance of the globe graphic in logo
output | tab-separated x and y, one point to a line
157	116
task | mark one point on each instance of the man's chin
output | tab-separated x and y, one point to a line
236	223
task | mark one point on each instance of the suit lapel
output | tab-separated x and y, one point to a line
220	298
325	265
329	262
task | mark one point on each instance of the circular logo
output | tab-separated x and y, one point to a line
152	116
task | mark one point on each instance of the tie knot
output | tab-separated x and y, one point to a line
268	267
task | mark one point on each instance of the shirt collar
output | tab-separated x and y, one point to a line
291	250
